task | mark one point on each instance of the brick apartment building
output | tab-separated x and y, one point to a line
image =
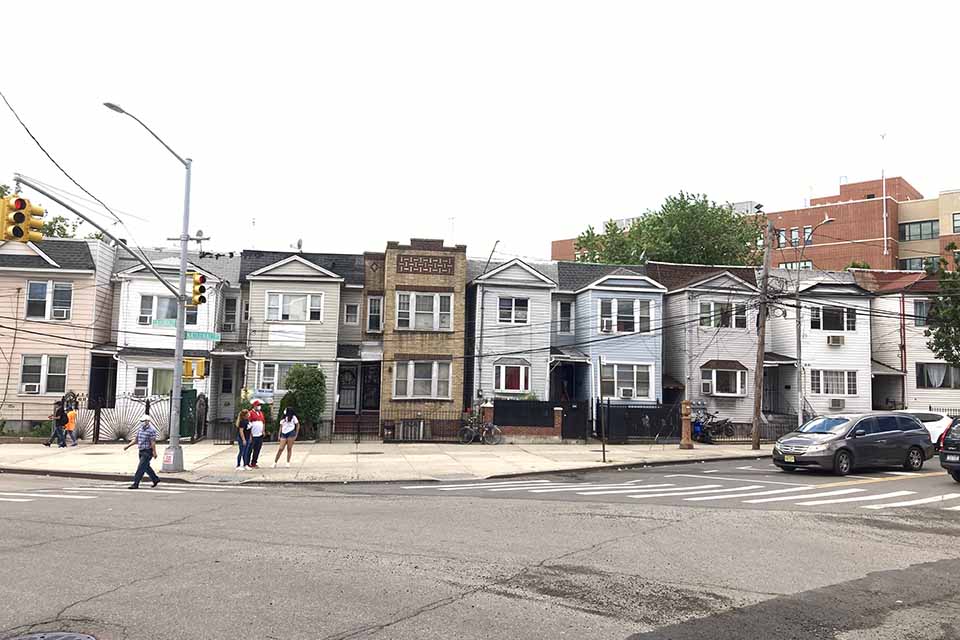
917	229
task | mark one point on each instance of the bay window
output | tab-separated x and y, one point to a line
723	382
626	381
511	375
424	311
422	379
833	383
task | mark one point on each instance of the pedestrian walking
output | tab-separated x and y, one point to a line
71	426
146	442
256	432
289	428
243	440
59	418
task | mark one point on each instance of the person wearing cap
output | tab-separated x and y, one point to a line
60	419
146	442
257	425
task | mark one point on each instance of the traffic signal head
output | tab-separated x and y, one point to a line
22	221
199	288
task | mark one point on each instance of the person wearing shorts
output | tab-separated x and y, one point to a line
289	428
71	426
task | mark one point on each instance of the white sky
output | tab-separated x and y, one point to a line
352	123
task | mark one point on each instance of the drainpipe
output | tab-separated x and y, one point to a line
903	351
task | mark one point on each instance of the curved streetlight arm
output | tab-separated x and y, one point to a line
114	107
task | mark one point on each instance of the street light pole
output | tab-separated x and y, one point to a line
173	454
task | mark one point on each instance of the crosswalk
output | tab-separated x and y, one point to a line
92	492
708	488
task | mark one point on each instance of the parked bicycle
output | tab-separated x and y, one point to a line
475	428
706	426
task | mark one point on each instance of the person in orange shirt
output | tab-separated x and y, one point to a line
71	426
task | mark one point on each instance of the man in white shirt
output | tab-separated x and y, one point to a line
256	431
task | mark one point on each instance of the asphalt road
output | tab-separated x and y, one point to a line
385	561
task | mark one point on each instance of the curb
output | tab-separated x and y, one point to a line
87	475
631	465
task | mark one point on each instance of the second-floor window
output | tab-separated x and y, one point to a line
920	310
956	223
294	307
937	375
723	314
833	383
781	237
375	314
801	264
917	264
514	310
624	315
230	315
795	237
833	318
41	374
808	235
424	311
924	230
162	308
49	300
565	317
351	313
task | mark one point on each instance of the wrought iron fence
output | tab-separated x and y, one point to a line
402	425
743	432
625	423
523	413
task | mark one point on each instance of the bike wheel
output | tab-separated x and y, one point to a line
466	435
493	435
728	430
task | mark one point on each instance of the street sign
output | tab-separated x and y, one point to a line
166	322
201	335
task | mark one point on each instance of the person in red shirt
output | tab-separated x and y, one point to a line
257	428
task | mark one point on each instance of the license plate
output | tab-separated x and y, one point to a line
789	458
955	458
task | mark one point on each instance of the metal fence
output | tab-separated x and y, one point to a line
421	426
523	413
743	433
626	423
953	412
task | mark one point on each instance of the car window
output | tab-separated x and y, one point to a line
825	425
954	431
886	423
867	425
926	417
907	423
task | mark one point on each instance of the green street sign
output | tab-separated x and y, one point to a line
166	322
201	335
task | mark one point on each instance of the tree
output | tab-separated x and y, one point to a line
687	228
943	317
60	227
858	264
307	393
4	190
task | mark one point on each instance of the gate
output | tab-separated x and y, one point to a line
576	420
624	423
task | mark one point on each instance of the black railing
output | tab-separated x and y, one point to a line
401	425
625	423
523	413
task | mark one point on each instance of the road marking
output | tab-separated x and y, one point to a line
649	487
524	487
538	483
686	492
791	484
46	495
951	508
838	492
585	485
121	490
712	471
882	496
911	503
909	476
749	495
745	468
171	488
899	473
475	484
16	500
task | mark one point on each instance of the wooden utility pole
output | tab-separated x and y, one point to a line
761	334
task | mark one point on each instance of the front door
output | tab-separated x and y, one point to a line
347	388
370	389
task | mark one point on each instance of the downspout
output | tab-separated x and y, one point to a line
478	366
903	351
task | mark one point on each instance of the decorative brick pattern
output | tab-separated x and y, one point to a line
425	264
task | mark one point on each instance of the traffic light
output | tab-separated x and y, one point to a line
199	288
22	221
194	368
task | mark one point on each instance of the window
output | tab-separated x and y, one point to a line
146	310
273	375
937	375
808	235
49	300
956	222
514	310
801	264
351	313
781	237
723	382
431	311
375	314
723	314
141	383
268	376
795	237
565	315
229	315
921	308
294	307
925	230
191	314
43	374
626	381
429	379
226	378
246	311
833	318
918	264
833	383
162	308
511	378
625	315
161	383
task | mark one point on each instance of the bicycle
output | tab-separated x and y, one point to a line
475	428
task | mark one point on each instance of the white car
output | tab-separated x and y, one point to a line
935	422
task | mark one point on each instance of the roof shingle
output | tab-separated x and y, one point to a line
68	253
348	266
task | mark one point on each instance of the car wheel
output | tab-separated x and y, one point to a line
842	463
955	475
914	460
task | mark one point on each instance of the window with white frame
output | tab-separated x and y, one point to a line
723	314
921	308
374	314
626	381
514	311
424	311
294	307
230	314
801	264
565	317
781	237
246	310
41	374
351	313
723	382
141	383
421	379
273	375
833	318
937	375
511	376
808	234
795	237
624	315
49	300
162	308
833	383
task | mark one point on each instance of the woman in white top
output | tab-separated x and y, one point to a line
289	428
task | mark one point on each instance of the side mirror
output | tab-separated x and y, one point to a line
859	433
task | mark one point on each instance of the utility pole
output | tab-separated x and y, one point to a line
761	335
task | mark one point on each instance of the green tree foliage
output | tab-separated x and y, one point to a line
60	227
4	190
307	393
858	264
943	317
687	228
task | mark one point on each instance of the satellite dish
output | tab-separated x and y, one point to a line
199	234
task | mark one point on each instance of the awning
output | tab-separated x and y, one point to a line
670	383
567	354
107	349
145	352
726	365
348	352
366	352
771	359
229	349
880	369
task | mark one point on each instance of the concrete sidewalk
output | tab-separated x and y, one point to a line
364	462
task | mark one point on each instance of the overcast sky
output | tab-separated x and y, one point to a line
351	123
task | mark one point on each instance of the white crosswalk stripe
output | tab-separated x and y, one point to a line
477	485
825	494
584	486
951	508
527	487
913	503
749	495
636	489
46	495
686	491
882	496
16	499
140	491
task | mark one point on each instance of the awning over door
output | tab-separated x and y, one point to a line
567	354
771	359
725	365
880	369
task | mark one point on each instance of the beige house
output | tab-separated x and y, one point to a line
926	227
56	304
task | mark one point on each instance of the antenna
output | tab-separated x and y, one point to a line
299	244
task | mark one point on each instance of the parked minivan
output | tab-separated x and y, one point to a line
842	443
950	451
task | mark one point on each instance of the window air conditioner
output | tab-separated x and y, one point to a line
32	388
606	325
61	314
626	392
837	403
706	387
229	328
145	320
835	341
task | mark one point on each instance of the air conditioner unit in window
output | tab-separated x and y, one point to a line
145	320
837	403
229	328
835	341
606	325
61	314
626	392
706	387
32	388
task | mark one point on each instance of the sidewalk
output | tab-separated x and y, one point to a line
364	462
